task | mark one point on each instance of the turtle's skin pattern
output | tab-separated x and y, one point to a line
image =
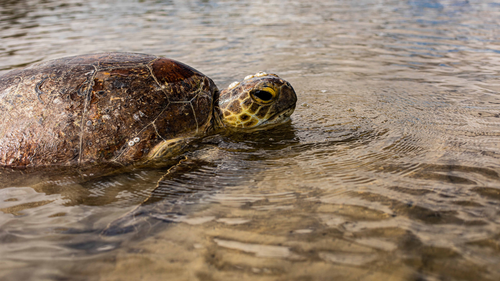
110	107
259	100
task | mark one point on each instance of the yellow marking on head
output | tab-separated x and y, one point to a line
232	119
271	90
247	116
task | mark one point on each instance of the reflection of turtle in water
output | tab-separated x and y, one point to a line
124	108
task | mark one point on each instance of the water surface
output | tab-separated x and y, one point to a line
389	169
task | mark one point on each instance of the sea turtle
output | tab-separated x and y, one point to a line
124	108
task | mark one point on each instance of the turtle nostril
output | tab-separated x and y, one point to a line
263	95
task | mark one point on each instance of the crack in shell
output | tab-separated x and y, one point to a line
87	101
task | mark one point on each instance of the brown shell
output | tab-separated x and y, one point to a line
91	108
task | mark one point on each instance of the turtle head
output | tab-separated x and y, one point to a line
260	100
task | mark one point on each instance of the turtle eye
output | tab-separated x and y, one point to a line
263	96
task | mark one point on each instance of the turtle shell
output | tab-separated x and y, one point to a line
110	107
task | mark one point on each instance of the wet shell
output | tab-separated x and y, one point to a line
99	108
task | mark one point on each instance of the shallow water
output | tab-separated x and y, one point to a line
389	169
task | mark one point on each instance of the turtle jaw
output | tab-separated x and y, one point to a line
277	119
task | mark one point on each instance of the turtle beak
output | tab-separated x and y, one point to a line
287	100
